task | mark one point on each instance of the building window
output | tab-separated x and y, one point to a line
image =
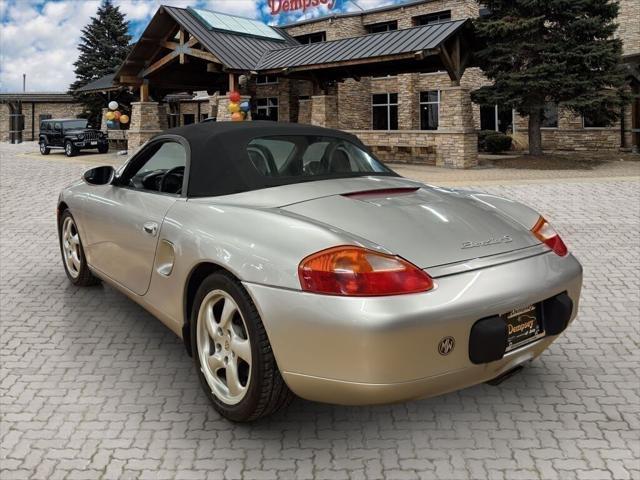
550	118
266	79
316	37
382	27
429	109
385	111
431	18
267	109
188	118
496	117
595	120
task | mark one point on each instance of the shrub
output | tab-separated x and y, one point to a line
494	142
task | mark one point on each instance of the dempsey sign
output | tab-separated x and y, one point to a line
290	6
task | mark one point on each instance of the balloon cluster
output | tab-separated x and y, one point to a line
114	116
239	111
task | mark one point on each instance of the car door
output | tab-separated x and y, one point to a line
55	134
123	221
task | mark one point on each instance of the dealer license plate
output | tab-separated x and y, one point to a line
523	326
94	143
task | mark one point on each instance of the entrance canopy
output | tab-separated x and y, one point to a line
189	48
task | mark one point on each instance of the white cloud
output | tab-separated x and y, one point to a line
43	40
40	37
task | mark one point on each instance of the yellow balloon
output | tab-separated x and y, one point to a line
234	107
124	119
237	117
110	115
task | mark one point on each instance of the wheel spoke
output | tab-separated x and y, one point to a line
228	311
241	348
75	240
215	363
210	322
75	260
233	382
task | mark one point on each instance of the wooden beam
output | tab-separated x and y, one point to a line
233	82
159	64
194	52
181	36
130	80
449	65
144	91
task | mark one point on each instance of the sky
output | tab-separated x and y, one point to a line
40	37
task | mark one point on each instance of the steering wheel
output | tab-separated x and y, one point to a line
171	172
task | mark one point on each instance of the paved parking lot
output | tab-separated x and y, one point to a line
93	387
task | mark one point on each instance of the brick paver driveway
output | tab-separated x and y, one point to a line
94	387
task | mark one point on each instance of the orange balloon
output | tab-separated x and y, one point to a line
124	118
237	117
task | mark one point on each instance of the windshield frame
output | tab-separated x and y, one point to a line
295	159
66	125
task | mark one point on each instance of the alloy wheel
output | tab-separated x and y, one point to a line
71	247
68	148
224	347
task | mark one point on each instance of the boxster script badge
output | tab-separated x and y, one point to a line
486	243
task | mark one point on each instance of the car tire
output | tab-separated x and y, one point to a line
234	342
44	150
73	259
69	149
103	148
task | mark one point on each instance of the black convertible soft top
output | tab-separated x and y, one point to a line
220	163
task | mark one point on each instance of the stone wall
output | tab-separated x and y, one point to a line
34	110
304	111
356	24
629	26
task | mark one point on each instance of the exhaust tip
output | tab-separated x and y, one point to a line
505	376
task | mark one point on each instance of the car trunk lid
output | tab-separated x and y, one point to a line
427	226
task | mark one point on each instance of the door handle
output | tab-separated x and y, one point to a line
151	228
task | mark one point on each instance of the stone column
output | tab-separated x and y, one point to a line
354	101
213	105
223	114
304	110
408	102
147	119
103	120
324	111
457	139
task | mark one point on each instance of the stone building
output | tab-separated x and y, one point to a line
34	107
398	77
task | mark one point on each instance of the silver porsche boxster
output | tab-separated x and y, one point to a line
291	261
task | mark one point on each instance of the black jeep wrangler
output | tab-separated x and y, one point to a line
72	134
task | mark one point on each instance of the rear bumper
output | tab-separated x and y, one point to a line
380	350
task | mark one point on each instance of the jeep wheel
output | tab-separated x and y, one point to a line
69	149
44	150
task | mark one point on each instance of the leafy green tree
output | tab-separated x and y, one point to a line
539	51
103	47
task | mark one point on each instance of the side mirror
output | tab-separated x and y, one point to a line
99	175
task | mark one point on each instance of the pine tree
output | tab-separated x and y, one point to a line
538	51
103	47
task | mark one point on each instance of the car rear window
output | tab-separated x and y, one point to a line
310	155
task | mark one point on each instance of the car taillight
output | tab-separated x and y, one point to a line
356	271
548	235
